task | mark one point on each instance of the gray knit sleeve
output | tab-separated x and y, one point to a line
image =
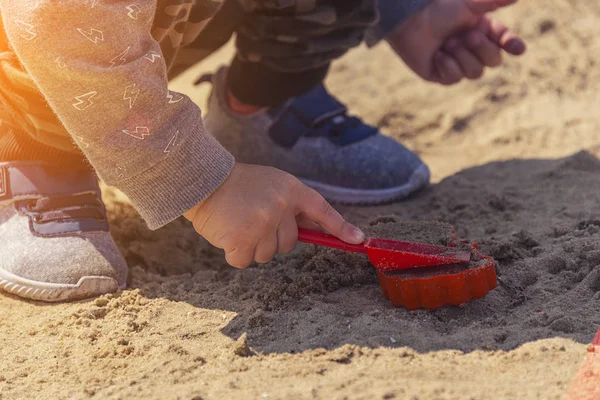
104	76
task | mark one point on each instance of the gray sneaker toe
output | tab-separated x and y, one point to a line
377	164
64	260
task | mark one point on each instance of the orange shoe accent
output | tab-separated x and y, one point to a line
239	107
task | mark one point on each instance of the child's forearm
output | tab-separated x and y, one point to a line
102	73
391	14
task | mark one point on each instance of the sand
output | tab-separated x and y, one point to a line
509	172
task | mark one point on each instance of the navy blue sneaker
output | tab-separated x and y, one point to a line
313	138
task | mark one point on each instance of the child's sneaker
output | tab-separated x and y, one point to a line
313	138
54	238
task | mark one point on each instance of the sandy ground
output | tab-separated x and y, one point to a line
314	324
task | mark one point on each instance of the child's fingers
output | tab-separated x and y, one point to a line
470	65
485	6
266	248
507	40
287	234
239	257
484	49
314	207
448	69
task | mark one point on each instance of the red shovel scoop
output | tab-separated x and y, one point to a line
387	255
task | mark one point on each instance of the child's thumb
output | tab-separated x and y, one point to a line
315	208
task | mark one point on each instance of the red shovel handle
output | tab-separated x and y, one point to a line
323	239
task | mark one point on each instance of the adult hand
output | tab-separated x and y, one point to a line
449	40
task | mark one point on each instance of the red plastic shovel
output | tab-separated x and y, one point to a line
388	255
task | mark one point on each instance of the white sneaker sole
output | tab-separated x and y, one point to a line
88	286
338	194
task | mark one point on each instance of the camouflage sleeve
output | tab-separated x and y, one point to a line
298	35
391	14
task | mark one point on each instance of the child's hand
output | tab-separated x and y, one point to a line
449	40
256	212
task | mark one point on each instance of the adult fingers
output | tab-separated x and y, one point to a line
266	248
504	38
314	207
448	69
287	235
484	49
470	65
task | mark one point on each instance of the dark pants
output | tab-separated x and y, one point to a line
281	55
